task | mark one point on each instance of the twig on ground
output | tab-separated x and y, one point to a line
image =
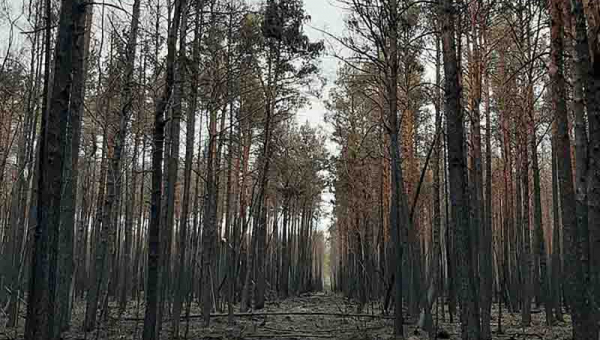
246	315
291	335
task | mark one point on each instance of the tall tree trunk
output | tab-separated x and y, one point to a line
15	258
426	320
172	164
14	234
244	197
508	204
285	245
587	177
81	33
487	235
209	232
180	289
476	172
41	307
470	327
538	229
113	178
94	263
151	293
526	260
230	187
555	263
399	208
591	9
583	320
36	323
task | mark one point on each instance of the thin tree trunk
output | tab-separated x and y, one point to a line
487	235
209	232
426	321
555	264
150	320
526	263
540	241
180	289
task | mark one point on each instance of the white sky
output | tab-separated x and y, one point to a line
325	16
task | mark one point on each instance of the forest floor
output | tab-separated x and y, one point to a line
309	316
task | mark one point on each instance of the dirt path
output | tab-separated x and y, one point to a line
310	316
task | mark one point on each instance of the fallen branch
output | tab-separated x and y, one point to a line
291	335
272	335
250	315
6	335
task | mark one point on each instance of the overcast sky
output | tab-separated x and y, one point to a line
325	16
328	17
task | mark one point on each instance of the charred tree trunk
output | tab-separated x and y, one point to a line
150	320
470	327
41	303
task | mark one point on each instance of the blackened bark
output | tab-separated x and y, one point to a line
487	235
470	327
36	323
399	217
586	175
150	320
180	288
555	263
526	260
71	168
41	307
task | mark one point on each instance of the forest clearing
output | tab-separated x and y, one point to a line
299	169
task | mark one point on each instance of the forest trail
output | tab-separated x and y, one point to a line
308	316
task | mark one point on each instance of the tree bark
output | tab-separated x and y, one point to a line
41	308
487	283
538	229
470	327
526	260
426	319
81	33
150	320
555	263
587	177
399	208
180	289
583	320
